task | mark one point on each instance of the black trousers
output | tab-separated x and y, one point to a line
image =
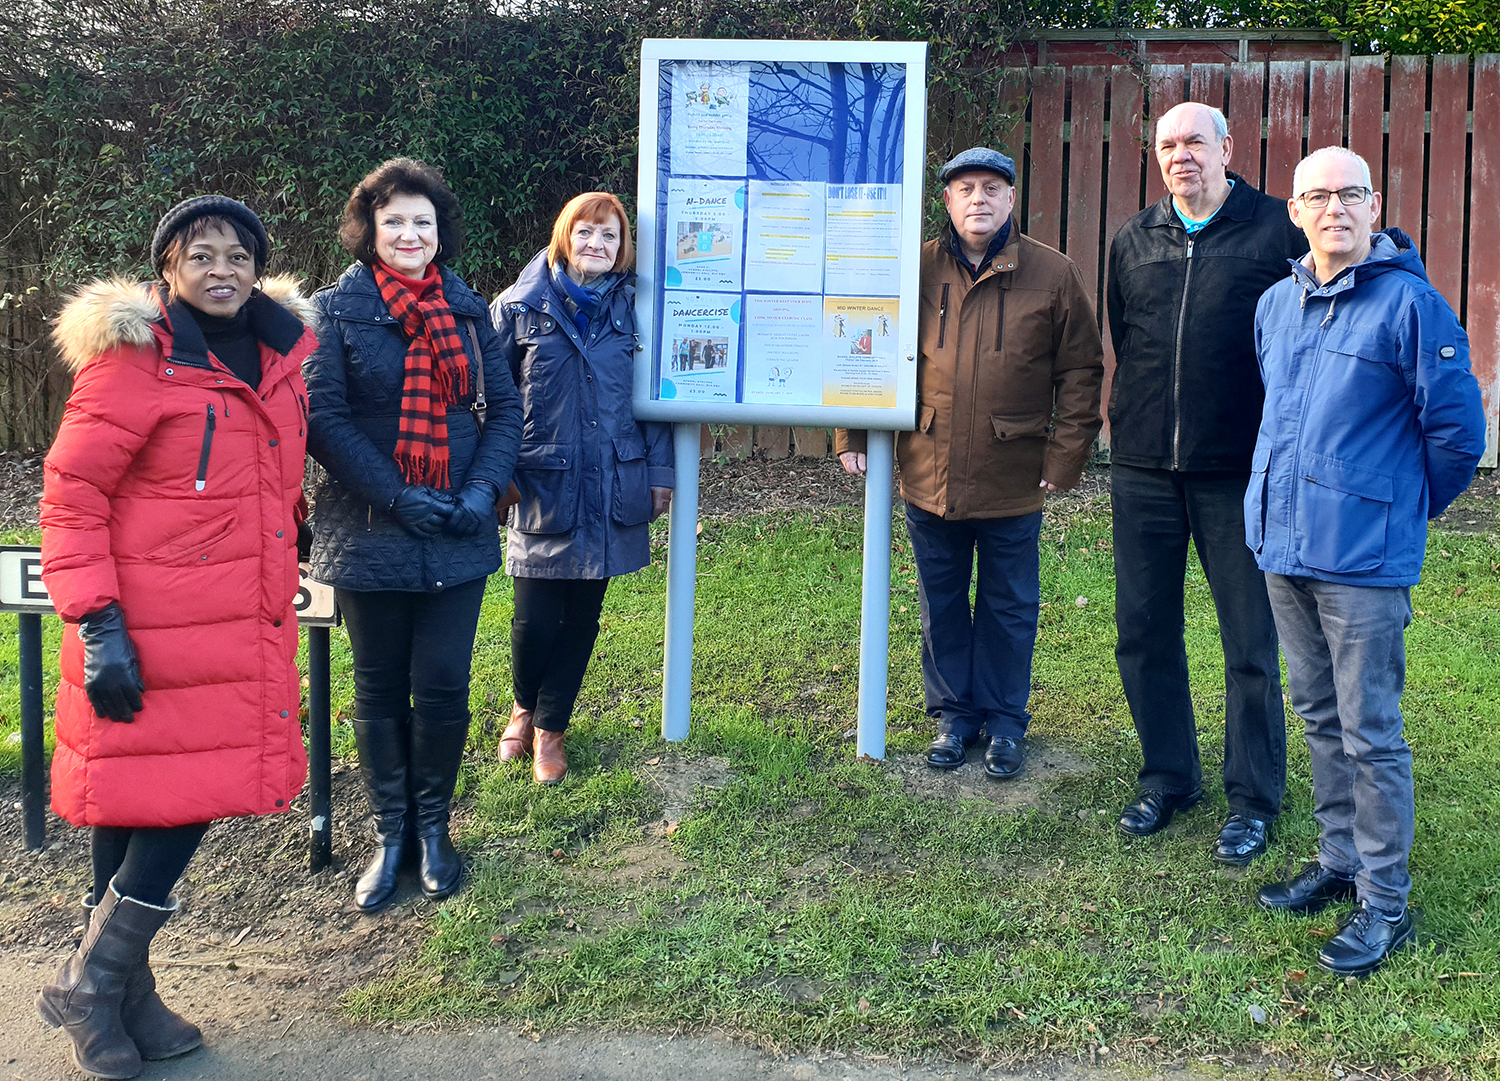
412	651
144	862
552	637
1156	512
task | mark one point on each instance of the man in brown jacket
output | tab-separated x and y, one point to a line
1008	407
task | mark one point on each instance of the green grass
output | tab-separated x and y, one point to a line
811	901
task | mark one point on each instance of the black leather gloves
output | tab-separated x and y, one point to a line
422	511
473	505
111	673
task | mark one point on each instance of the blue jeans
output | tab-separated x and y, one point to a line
1346	665
976	664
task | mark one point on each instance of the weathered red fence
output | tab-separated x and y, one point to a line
1429	127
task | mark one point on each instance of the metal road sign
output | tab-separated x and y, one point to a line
21	588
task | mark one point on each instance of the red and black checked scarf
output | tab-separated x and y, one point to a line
437	372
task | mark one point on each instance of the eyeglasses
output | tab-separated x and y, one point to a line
1318	199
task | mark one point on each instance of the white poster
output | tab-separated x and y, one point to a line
784	349
863	240
705	224
700	339
710	117
784	245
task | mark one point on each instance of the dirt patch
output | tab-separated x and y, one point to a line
1477	511
1047	765
677	778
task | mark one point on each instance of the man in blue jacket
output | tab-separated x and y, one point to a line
1372	425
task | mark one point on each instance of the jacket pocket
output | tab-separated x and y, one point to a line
925	417
1255	499
194	545
1023	426
631	504
545	475
1342	515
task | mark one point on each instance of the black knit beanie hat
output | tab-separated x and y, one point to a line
188	211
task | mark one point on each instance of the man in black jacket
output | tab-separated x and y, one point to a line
1184	278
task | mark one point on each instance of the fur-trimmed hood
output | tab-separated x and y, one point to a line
115	311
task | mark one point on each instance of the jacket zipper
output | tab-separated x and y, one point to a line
209	424
302	405
1187	281
1000	324
943	317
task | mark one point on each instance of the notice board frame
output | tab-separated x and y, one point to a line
656	55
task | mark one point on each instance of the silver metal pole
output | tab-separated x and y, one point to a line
875	601
682	571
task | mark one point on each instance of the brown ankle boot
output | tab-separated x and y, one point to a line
516	740
551	764
85	997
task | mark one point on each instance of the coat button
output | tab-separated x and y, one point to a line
276	623
273	442
439	584
283	713
169	371
279	533
280	803
593	424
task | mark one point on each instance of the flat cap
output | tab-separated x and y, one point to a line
188	211
978	158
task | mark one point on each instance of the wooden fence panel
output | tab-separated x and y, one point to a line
1015	90
1484	226
1044	208
773	443
1126	156
812	442
1247	100
1166	91
1086	172
1444	251
1325	105
1406	159
1284	106
1367	113
1206	84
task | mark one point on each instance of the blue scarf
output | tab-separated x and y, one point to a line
583	300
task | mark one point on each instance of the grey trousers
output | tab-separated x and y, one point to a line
1346	665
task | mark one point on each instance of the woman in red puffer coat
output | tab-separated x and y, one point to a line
170	513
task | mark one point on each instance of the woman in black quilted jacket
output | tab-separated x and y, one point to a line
405	528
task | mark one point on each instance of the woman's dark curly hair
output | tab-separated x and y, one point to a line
401	176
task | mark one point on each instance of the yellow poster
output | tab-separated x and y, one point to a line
859	351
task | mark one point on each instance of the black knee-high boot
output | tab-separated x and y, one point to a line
437	750
383	766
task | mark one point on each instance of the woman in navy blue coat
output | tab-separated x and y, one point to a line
405	528
590	476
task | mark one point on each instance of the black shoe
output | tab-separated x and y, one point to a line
1313	890
382	747
437	751
1241	840
1151	813
1365	939
946	751
1004	758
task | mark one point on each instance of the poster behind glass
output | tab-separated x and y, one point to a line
780	187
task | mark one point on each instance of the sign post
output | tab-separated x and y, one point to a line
780	211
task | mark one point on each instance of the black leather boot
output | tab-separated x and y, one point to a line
437	750
383	768
158	1032
85	997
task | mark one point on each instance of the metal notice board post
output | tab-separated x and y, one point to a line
22	592
780	208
